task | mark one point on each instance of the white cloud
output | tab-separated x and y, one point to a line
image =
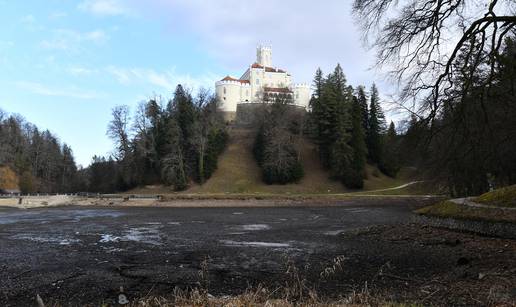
40	89
66	39
304	34
81	71
105	7
165	80
97	36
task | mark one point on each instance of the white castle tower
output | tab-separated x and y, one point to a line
264	56
259	79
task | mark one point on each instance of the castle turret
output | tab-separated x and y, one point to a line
264	56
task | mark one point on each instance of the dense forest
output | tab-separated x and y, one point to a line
173	144
350	130
39	159
347	124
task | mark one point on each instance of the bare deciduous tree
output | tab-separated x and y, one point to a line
430	44
118	130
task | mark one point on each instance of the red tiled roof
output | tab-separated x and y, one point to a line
267	69
277	89
228	78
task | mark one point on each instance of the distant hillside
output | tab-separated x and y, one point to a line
238	172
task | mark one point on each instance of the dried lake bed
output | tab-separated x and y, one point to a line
83	255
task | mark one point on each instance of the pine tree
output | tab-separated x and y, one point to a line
357	142
184	112
362	100
375	127
318	83
390	164
338	81
326	118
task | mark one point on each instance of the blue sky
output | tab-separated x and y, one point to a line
65	64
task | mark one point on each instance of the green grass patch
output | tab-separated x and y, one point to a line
504	197
449	209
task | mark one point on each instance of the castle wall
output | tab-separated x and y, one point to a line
251	114
301	95
230	93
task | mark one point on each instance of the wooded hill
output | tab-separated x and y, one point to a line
33	160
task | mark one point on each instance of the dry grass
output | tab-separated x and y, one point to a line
295	292
504	197
8	178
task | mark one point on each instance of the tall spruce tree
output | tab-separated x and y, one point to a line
376	126
325	113
362	101
318	83
356	177
341	152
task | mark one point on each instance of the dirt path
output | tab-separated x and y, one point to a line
396	188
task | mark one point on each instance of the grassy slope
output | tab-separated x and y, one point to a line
448	209
504	197
238	173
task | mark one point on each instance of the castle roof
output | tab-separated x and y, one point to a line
229	78
267	69
277	89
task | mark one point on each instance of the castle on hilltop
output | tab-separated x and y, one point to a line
260	79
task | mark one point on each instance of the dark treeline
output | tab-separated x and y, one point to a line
171	145
347	125
277	143
39	159
470	146
349	128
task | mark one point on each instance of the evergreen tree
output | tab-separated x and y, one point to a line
318	83
376	126
355	178
390	164
362	101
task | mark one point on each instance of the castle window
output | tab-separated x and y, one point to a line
257	81
224	90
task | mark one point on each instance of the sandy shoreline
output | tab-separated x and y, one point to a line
206	201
